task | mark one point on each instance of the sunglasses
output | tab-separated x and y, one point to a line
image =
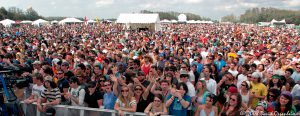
124	91
183	67
272	96
59	73
138	89
101	80
183	76
243	85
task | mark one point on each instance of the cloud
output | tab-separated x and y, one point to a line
292	2
150	5
101	3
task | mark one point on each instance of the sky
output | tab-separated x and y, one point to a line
105	9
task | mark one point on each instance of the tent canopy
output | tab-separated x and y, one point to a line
70	20
91	21
138	18
140	21
26	22
7	22
278	22
165	21
182	18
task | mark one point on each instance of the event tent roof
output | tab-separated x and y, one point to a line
165	21
7	22
138	18
174	21
26	22
70	20
39	21
182	18
91	21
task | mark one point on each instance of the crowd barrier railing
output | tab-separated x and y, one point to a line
66	110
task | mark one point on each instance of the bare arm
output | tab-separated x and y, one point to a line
147	110
100	102
197	112
169	102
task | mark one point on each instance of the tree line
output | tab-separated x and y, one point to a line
256	15
15	13
174	15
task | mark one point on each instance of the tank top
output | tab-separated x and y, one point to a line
146	68
202	113
245	98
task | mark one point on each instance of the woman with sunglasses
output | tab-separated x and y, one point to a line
141	94
157	107
200	97
233	107
125	102
208	109
285	103
245	93
110	95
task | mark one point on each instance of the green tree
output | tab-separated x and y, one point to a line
31	14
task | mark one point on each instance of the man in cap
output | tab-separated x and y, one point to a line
258	90
76	92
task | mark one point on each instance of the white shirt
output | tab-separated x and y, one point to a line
233	72
192	76
211	86
240	80
79	94
191	88
37	90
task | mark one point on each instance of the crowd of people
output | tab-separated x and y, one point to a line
183	70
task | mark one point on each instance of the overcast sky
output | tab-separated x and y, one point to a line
214	9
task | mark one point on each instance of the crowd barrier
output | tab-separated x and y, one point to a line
66	110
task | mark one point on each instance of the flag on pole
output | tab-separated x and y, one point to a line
97	19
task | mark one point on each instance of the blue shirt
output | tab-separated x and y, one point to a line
109	100
176	107
220	64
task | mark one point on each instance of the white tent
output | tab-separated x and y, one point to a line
174	21
40	22
182	18
165	21
26	22
70	20
91	21
191	22
54	22
7	22
282	22
140	21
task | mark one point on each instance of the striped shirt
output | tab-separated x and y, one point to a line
51	95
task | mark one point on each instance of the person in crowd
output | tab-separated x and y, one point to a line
111	93
76	92
258	90
233	107
201	93
245	93
37	88
125	102
285	103
211	84
93	97
178	101
163	88
50	96
275	82
208	109
157	107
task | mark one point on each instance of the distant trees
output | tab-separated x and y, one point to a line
174	15
255	15
15	13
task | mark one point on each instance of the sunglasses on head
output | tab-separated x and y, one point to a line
232	99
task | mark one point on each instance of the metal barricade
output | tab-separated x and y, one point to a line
65	110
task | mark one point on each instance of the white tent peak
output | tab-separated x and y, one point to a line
70	20
7	22
137	18
182	18
26	22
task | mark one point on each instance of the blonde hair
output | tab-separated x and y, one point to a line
125	100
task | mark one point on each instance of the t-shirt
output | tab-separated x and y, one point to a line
78	93
92	100
258	89
176	107
109	100
122	105
37	90
51	95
